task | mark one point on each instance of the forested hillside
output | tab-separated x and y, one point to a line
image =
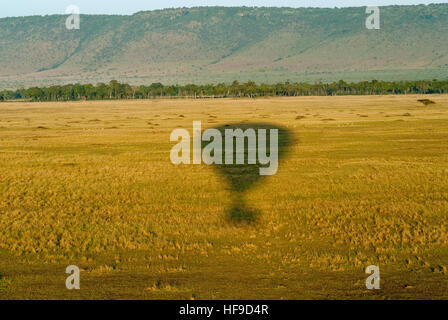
217	44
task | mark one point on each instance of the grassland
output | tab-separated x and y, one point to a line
91	184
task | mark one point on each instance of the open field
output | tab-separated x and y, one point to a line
91	184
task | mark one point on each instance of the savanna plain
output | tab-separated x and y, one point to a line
364	182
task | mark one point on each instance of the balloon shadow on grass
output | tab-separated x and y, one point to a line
242	177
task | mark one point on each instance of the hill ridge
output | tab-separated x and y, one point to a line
221	44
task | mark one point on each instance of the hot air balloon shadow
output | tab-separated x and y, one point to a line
242	177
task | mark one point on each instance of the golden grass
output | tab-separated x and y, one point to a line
91	184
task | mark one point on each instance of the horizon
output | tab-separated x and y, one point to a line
49	7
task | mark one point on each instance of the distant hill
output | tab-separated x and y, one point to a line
217	44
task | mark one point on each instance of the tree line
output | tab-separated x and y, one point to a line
115	90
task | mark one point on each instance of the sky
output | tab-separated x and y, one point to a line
14	8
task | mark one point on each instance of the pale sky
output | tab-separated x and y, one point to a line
14	8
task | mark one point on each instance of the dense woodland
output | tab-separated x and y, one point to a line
115	90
